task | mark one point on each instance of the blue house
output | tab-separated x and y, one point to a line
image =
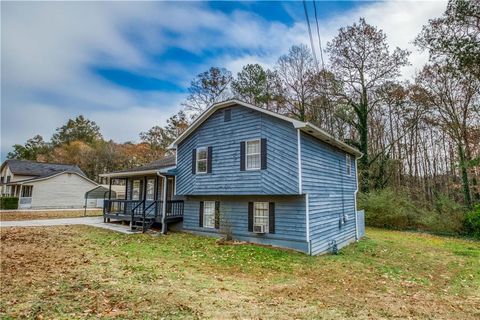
250	174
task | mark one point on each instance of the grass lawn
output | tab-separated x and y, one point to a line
83	272
45	214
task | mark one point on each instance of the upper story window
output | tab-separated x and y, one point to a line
348	165
202	160
8	179
253	154
2	179
227	115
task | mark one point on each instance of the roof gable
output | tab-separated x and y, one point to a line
303	126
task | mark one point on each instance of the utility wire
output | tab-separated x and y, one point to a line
318	33
310	34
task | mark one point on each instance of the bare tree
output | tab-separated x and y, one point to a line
361	60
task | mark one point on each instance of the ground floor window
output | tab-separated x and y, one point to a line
261	214
27	191
209	214
136	190
150	189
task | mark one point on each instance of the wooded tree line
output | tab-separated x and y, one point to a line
420	134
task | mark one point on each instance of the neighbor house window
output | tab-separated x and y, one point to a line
136	190
260	214
348	164
253	155
209	214
202	159
150	189
27	191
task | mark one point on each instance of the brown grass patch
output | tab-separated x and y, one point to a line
33	215
80	272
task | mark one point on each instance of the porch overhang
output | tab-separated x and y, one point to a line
126	174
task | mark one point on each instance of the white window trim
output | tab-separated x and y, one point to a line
267	224
153	191
204	215
348	165
133	189
259	153
197	160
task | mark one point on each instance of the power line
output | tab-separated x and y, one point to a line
310	34
318	33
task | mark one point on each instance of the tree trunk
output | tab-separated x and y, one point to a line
463	168
364	160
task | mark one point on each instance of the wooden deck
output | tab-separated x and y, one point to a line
142	212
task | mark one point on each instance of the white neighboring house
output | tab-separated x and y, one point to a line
44	185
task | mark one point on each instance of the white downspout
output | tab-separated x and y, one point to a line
299	160
355	195
164	203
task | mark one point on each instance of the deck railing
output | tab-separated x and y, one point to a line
174	208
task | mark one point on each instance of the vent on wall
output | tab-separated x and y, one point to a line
227	115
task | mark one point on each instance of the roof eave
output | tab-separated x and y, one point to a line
329	139
125	174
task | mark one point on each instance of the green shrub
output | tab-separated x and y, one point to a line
446	217
395	209
8	203
472	222
388	209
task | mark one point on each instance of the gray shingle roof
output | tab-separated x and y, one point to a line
168	161
39	169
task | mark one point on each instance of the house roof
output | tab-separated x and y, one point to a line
38	169
150	168
48	176
303	126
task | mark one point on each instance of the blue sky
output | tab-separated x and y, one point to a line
127	65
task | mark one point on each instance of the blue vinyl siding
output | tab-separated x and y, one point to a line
280	177
290	219
331	194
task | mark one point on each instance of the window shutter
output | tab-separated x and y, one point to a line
250	216
263	156
242	156
200	215
194	161
271	217
209	160
217	214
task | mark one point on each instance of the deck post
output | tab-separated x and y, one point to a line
144	192
110	189
155	196
164	205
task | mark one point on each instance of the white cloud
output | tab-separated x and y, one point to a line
48	50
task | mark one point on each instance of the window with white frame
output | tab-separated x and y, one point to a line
209	214
136	190
348	165
202	159
253	154
261	214
27	191
150	189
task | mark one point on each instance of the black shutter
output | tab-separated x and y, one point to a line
217	214
209	160
263	156
271	217
200	215
242	156
250	216
194	161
